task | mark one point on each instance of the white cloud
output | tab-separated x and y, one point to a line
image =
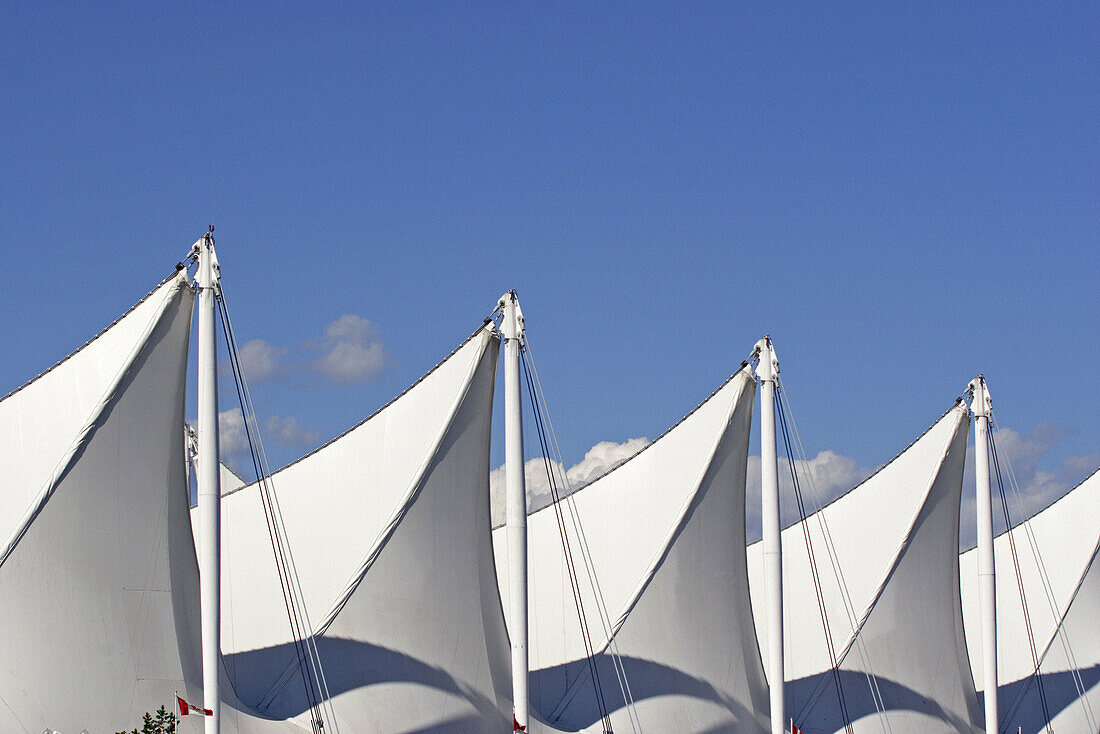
599	459
287	431
261	361
602	457
1023	452
1081	466
348	352
830	474
822	479
834	474
232	439
351	351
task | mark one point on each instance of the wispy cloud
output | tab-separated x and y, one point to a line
351	352
1024	454
262	361
822	478
832	474
348	351
289	432
233	439
599	459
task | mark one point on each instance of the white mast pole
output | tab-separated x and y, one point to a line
209	489
516	505
987	583
767	369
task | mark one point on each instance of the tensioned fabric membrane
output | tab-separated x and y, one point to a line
98	577
1065	624
895	541
665	534
388	525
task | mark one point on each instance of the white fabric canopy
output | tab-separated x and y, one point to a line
896	545
665	531
1066	534
98	580
389	528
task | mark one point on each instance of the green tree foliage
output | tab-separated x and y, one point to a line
163	722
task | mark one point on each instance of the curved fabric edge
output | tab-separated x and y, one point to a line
640	452
905	543
693	668
692	501
482	329
1069	653
72	454
909	642
1063	537
1035	514
179	272
336	506
400	511
419	644
855	538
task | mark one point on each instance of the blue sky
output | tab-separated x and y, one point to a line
901	195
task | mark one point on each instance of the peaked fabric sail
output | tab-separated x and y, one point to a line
1066	632
389	530
665	531
98	578
896	542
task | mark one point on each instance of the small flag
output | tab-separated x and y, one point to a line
516	725
190	708
795	729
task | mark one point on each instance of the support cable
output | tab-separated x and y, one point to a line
834	560
315	685
1037	673
834	664
586	554
1049	589
574	582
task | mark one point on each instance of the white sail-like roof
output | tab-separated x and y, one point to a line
98	578
896	544
1066	534
389	529
665	531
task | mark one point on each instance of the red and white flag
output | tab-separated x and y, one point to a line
795	729
190	708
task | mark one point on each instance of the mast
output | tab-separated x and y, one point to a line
209	489
512	331
980	405
767	370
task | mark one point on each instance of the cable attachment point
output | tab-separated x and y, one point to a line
208	273
981	404
767	361
512	323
